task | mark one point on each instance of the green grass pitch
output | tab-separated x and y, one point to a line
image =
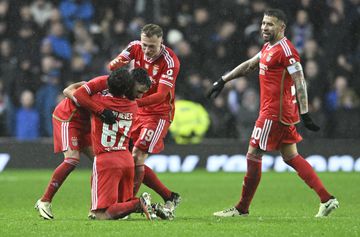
283	206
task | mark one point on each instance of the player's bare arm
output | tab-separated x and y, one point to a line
301	91
243	69
69	91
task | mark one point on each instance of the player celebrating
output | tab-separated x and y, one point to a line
113	168
156	108
282	94
71	129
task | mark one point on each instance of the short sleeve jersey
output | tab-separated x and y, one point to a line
67	111
115	137
98	84
162	70
277	90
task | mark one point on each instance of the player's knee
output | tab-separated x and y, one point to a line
72	161
139	156
287	157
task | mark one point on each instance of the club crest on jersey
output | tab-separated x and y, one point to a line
268	57
74	141
155	70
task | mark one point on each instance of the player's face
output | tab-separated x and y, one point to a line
151	46
139	90
272	29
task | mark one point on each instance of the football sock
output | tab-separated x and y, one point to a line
122	209
152	181
307	173
138	178
251	181
58	177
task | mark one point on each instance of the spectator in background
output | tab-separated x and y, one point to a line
41	11
3	110
74	10
341	96
302	30
27	118
60	45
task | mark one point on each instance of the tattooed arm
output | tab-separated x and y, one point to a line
301	91
243	69
300	84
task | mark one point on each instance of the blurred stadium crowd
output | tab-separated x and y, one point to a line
45	45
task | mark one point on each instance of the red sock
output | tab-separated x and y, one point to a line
307	173
152	181
251	181
138	178
58	177
122	209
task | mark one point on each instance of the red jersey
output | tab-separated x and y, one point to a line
67	111
162	70
115	137
277	89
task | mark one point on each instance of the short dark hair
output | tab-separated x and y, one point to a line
279	14
138	76
119	82
152	29
141	76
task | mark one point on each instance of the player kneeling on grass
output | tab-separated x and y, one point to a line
113	169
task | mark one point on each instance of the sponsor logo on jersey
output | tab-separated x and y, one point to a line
74	141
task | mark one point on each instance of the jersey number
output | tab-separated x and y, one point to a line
108	136
147	135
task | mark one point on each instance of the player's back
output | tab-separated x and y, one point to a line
115	137
67	111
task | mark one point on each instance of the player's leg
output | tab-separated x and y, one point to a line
150	139
264	137
250	184
306	172
139	159
66	139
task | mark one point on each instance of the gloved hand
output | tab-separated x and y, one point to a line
216	89
108	117
309	124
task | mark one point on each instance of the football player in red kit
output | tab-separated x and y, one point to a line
283	101
156	108
113	167
71	129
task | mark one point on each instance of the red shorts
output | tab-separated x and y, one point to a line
73	134
112	179
268	135
148	133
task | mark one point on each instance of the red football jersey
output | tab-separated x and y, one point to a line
162	70
277	89
97	84
67	111
113	137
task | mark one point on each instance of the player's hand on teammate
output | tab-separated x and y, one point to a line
108	117
216	88
309	124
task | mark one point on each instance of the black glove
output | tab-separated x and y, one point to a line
107	116
309	124
216	89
